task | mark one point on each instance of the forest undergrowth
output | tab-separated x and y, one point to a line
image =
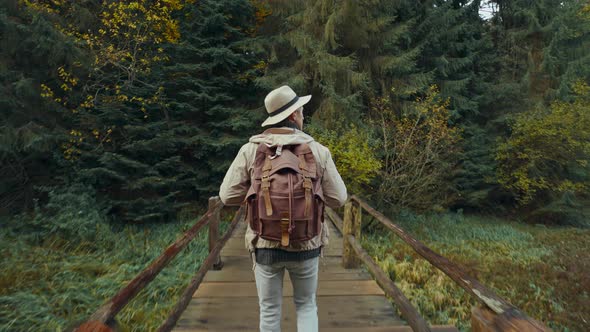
544	271
52	278
61	263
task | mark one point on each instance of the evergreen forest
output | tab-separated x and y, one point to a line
465	121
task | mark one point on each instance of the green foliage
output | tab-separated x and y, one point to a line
456	48
539	50
548	150
522	31
353	155
71	213
29	127
302	53
420	149
476	180
154	129
341	52
532	267
566	58
210	93
563	209
459	50
61	264
146	101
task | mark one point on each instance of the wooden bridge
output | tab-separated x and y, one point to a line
348	299
222	295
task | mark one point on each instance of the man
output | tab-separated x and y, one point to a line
271	258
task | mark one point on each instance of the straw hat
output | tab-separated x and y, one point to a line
280	103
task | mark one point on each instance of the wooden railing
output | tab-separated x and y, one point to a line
496	314
104	318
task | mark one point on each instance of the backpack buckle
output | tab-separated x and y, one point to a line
265	183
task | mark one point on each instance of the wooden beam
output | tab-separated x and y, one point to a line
470	284
409	313
214	230
335	218
94	326
358	220
110	309
485	320
187	295
349	259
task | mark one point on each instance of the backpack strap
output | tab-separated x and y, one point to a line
306	183
285	226
266	184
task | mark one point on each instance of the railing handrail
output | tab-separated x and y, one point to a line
483	294
408	312
512	317
107	312
211	259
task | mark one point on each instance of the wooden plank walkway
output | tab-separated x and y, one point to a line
348	299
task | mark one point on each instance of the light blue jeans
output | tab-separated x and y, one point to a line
269	284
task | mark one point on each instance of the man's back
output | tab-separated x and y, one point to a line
237	180
271	257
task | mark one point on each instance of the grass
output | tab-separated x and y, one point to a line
543	271
60	264
54	277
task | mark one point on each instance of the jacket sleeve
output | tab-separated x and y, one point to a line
236	182
334	189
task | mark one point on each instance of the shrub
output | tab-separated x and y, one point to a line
72	215
354	156
420	150
548	151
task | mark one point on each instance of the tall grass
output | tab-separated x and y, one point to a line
62	263
543	271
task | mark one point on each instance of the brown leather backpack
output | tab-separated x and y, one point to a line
285	201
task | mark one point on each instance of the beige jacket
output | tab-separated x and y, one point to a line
237	182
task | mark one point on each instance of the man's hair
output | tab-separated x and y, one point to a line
284	123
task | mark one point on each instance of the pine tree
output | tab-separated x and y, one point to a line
149	137
455	49
304	54
118	141
176	148
522	30
32	127
209	85
392	51
462	58
345	52
566	58
533	47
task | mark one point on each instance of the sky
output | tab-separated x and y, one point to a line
486	10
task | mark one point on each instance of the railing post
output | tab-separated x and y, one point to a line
351	226
214	231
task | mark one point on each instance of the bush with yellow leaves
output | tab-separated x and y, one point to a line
354	157
548	150
420	151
